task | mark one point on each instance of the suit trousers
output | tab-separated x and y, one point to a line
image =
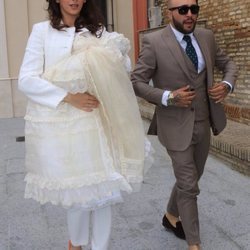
79	227
188	167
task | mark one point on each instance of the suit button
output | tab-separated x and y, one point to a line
192	109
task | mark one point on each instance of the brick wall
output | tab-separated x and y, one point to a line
230	21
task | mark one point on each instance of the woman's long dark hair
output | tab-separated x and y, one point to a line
90	17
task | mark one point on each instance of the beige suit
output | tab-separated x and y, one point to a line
183	131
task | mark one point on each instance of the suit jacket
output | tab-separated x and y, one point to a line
161	59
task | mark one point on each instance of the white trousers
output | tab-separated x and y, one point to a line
79	225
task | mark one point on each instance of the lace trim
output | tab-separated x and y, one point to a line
86	191
119	41
87	197
64	114
53	119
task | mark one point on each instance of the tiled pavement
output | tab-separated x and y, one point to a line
224	205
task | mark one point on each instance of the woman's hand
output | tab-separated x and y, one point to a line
83	101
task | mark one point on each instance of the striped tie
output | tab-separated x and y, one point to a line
190	51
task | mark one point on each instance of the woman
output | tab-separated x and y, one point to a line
84	135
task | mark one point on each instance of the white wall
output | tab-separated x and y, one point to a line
123	20
16	20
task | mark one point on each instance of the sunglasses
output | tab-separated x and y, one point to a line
183	10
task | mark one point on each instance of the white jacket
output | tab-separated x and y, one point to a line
45	47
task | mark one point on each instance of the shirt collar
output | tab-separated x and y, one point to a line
73	29
179	36
84	30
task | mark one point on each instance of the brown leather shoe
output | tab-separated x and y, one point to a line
178	230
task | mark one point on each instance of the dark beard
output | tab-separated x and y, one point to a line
180	28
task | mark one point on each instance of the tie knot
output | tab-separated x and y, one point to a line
187	38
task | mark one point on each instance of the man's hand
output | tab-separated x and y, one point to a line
183	97
219	91
83	101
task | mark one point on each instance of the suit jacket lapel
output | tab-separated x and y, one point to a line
170	41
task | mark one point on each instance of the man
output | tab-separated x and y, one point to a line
180	60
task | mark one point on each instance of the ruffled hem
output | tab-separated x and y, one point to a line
75	182
75	191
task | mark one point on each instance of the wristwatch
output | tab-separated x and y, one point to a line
170	100
228	88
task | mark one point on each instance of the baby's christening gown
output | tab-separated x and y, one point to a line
83	158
